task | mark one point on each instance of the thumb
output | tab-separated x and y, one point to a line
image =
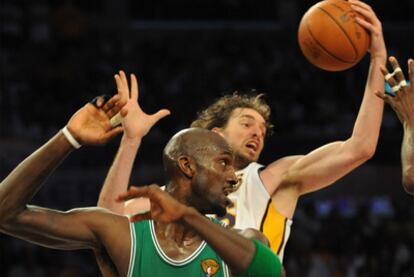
160	115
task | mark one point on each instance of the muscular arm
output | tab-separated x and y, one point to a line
47	227
330	162
237	251
76	229
136	125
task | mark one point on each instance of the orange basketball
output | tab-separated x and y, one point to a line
330	37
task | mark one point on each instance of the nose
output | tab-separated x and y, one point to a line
232	178
258	132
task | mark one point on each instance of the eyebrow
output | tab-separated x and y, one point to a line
248	116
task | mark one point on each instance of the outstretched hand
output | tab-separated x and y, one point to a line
403	100
372	24
91	125
164	208
136	123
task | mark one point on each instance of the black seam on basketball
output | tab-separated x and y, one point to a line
323	48
346	34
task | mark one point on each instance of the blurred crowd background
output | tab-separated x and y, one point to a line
57	55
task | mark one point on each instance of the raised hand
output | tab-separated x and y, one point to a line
370	21
136	123
403	100
91	124
164	208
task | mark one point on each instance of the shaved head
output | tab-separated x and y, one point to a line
196	143
199	166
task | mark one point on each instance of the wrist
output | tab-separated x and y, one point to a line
70	138
189	214
379	57
131	141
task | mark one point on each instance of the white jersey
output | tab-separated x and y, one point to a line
252	208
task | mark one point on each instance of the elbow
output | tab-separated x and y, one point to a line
8	214
364	152
5	217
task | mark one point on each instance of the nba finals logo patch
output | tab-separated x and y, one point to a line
210	267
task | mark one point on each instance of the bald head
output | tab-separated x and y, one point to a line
196	143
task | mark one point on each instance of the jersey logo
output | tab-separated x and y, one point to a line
210	267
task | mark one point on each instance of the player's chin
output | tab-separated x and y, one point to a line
250	157
220	211
220	207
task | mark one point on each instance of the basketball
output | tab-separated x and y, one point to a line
330	37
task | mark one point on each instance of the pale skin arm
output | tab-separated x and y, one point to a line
88	228
136	125
403	105
291	177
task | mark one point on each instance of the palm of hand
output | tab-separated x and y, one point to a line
90	124
137	123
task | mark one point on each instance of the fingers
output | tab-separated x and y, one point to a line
361	5
134	87
121	89
123	86
365	24
115	107
396	79
411	71
133	192
399	75
110	103
124	82
160	115
141	216
368	15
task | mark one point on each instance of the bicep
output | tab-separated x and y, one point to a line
55	229
322	167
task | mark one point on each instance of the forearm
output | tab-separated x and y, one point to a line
19	187
234	249
407	158
367	125
119	174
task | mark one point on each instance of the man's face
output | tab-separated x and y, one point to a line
245	132
214	181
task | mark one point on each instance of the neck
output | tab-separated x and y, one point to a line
177	231
181	234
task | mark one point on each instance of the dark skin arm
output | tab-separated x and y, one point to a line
75	229
403	105
236	250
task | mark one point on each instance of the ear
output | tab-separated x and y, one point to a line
186	165
218	131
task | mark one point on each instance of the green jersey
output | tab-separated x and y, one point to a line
148	259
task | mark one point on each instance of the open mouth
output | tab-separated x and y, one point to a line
253	146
